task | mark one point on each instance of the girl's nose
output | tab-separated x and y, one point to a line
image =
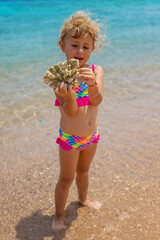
80	50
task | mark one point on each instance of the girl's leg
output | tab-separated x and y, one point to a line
84	161
68	165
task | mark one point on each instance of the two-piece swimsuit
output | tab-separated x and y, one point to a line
68	141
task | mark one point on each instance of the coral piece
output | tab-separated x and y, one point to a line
63	71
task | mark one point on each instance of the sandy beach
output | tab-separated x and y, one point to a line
124	176
125	172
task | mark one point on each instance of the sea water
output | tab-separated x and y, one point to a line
29	32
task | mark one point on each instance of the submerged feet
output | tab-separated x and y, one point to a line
58	224
91	204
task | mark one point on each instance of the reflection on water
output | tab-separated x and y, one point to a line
26	100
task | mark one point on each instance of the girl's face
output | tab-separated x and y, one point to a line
78	48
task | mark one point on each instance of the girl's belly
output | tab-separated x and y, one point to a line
83	124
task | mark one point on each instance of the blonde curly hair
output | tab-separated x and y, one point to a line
80	24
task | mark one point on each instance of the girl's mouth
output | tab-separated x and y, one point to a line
80	59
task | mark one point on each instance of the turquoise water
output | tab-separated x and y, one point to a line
29	32
29	29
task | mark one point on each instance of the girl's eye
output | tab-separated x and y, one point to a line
74	45
86	47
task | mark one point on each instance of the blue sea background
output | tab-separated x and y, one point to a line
29	32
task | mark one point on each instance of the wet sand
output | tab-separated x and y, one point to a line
124	176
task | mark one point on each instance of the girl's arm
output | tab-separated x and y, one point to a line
67	98
95	83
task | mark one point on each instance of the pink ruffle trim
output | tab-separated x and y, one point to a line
63	145
80	102
57	103
96	140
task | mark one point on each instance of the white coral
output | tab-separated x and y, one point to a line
63	71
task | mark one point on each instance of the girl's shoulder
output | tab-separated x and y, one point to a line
99	73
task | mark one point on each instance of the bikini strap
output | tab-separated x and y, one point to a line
93	68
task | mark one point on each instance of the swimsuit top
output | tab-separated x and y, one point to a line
81	90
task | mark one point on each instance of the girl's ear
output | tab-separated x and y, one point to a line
61	44
93	48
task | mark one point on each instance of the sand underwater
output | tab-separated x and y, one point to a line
124	175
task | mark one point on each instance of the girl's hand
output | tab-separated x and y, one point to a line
65	91
88	76
67	99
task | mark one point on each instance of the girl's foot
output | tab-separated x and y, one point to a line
58	224
95	205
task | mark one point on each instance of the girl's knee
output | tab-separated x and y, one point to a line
82	172
65	182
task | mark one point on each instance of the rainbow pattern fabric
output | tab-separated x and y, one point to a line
81	90
67	141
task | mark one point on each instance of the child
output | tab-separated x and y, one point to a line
78	134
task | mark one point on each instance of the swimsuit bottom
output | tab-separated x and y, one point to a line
67	141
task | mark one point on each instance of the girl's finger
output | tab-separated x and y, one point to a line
64	89
85	70
70	88
56	90
88	76
61	87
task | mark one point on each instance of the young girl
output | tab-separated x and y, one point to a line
78	133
